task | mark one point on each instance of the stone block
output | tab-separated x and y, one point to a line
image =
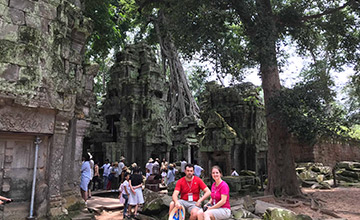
65	48
8	31
45	25
29	35
10	72
34	21
75	57
17	16
4	2
29	74
5	187
4	13
46	10
24	5
52	2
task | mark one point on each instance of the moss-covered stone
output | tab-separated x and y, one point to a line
279	214
29	35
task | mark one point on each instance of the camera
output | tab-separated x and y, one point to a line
8	201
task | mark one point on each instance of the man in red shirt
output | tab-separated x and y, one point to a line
189	188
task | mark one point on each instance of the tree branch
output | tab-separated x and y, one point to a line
327	12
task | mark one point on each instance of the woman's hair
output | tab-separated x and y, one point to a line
136	169
216	167
86	157
126	174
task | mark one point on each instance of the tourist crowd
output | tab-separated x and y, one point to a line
129	181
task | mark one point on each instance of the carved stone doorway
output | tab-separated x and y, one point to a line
17	153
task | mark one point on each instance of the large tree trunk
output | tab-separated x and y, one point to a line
181	99
281	167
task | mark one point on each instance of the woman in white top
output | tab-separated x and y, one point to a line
85	177
124	193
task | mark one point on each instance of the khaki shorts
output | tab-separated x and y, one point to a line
220	213
188	205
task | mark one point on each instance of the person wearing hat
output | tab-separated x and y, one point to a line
171	174
115	180
120	169
106	172
149	165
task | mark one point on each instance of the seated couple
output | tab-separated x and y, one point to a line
189	188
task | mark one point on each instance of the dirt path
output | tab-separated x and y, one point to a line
344	202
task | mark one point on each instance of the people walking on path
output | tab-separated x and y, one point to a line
197	169
219	206
136	196
164	164
170	174
233	172
96	178
106	173
121	167
149	165
124	193
85	177
115	177
164	176
92	174
182	167
189	188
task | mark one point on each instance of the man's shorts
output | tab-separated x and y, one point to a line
220	213
188	205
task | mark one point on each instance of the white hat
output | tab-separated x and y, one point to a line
151	160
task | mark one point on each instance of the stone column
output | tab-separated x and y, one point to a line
81	126
56	160
189	159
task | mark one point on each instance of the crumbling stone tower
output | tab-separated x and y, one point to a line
134	109
235	128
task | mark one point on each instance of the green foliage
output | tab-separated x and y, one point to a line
355	132
309	112
111	20
197	80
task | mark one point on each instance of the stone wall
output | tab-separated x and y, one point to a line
45	91
327	151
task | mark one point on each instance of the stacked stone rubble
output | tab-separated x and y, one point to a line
46	91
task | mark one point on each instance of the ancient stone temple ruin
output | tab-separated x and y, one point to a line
45	92
135	110
135	122
134	116
235	128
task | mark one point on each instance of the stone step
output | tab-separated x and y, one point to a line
84	216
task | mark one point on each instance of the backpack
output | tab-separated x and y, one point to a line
121	188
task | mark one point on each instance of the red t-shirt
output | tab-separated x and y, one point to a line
194	186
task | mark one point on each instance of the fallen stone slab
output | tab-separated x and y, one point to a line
261	206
